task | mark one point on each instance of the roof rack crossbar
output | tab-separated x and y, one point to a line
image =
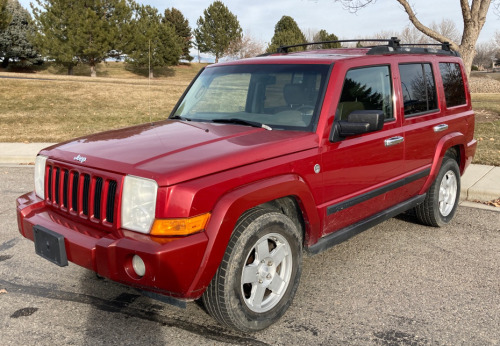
392	42
393	45
444	46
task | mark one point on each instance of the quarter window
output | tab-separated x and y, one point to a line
367	88
419	88
453	84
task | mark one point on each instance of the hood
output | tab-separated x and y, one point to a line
173	151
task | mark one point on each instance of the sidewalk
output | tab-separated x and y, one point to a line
479	183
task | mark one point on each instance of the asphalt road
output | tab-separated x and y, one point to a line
397	284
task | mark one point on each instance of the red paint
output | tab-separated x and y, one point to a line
223	169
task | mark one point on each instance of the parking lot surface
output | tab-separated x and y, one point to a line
399	283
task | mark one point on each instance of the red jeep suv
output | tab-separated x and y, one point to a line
260	160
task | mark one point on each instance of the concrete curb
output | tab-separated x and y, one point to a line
481	183
20	153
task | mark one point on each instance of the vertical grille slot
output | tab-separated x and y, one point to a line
57	186
74	195
65	188
110	205
90	196
97	198
86	193
49	185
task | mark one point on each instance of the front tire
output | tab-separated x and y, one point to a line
259	274
441	201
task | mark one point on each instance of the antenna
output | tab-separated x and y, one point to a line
149	83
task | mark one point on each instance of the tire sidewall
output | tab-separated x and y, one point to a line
266	223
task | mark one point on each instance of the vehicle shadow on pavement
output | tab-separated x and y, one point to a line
121	315
109	318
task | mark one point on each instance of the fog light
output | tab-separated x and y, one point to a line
138	265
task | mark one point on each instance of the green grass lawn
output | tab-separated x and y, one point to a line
64	107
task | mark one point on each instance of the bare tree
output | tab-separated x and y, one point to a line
485	55
246	47
411	34
473	13
310	34
447	28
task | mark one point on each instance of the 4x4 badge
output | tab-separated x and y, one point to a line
82	159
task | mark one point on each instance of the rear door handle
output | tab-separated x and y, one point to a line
393	141
439	128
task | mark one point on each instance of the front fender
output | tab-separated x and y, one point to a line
234	203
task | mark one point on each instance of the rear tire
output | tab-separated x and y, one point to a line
259	274
441	201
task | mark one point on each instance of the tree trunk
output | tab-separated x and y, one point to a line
5	62
216	58
467	54
151	74
93	72
474	16
70	70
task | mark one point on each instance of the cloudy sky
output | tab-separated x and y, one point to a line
258	17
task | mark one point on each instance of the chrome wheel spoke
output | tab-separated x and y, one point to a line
250	273
278	254
257	296
276	284
262	249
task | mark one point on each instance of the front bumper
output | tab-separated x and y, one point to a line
171	263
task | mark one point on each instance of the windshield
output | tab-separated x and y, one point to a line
272	96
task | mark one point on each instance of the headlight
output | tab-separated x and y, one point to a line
40	176
138	203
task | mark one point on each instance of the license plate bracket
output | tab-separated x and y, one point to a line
50	245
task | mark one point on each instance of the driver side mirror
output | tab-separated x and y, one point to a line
358	122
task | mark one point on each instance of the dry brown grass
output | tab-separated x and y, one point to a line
487	132
64	107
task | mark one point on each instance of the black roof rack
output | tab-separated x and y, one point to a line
393	46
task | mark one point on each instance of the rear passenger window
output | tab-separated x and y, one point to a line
367	88
419	88
453	84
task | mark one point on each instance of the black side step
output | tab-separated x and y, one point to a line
352	230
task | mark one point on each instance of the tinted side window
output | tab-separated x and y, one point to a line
419	88
453	84
367	88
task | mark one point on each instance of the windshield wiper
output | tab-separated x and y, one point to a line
178	117
242	122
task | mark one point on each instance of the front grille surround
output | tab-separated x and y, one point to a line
84	193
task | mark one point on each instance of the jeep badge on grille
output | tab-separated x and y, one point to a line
79	158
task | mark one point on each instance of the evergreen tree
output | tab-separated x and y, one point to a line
216	30
5	17
286	33
81	31
153	41
323	36
182	29
15	43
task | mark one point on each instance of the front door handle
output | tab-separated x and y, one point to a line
393	141
439	128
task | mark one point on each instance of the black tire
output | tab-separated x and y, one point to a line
438	207
237	304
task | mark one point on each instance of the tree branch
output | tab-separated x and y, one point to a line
464	4
426	30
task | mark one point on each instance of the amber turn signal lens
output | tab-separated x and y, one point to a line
176	227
